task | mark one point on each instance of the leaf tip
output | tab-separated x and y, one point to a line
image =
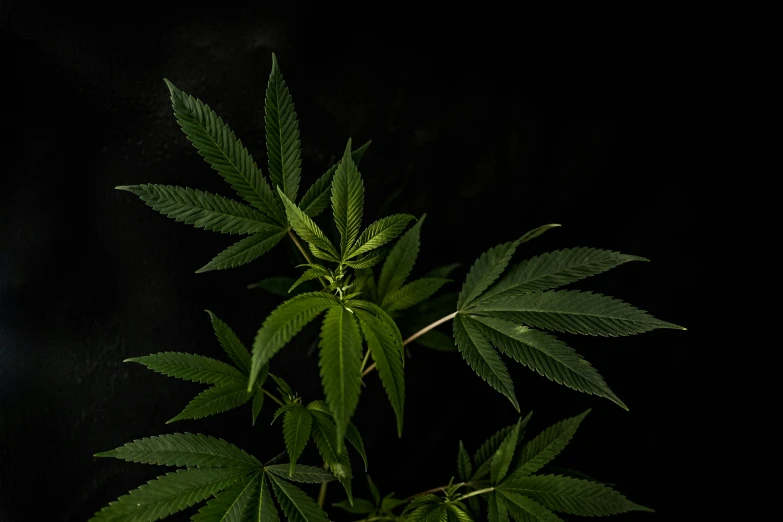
127	188
104	454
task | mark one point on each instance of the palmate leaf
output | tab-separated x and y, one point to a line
380	233
184	450
224	152
215	400
484	360
572	496
317	197
413	293
464	465
486	451
351	433
340	362
525	509
319	244
573	311
485	271
283	323
202	209
347	201
555	269
547	355
244	251
169	493
381	314
296	504
400	260
231	344
300	473
236	504
296	432
282	134
267	512
501	460
190	367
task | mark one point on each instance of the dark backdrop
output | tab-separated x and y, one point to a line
488	126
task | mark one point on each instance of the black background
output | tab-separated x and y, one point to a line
491	124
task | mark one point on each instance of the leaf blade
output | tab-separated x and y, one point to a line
347	201
297	506
485	270
190	367
317	197
380	233
216	399
296	432
231	344
413	293
282	134
243	251
306	228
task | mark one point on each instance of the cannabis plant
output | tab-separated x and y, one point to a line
357	285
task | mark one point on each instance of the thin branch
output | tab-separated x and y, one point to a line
322	492
474	493
435	490
304	253
278	401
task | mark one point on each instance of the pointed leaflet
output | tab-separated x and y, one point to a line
258	403
283	324
376	495
184	450
215	400
554	269
573	311
202	209
485	271
368	260
297	506
316	199
546	446
235	504
388	360
484	360
244	251
573	496
400	260
309	275
169	493
283	387
413	293
230	343
525	509
267	512
388	322
486	451
347	201
547	355
224	152
379	233
501	460
300	473
296	432
458	513
355	438
331	448
306	228
190	367
282	134
464	466
340	362
496	509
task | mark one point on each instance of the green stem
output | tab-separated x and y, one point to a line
304	252
474	493
322	492
435	490
278	401
366	359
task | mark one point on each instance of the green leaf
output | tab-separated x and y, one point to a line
190	367
436	340
555	269
386	353
483	456
484	360
215	400
376	495
203	210
497	510
347	201
546	446
400	260
389	502
355	438
532	234
340	362
169	493
235	504
308	474
244	251
368	260
307	229
525	509
413	293
573	496
381	314
224	152
331	448
443	271
283	324
360	506
457	514
282	134
258	403
501	460
485	271
296	432
283	387
547	355
380	233
279	286
231	343
184	450
316	199
464	465
297	506
309	275
573	311
267	512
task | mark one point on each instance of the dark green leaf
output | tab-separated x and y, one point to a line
380	233
307	474
485	271
347	201
464	465
319	244
297	506
525	509
235	504
360	506
244	251
296	432
215	400
501	460
413	293
231	343
189	367
282	134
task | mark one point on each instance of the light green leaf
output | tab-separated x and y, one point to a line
573	311
184	450
224	152
546	446
190	367
501	460
464	465
316	199
282	134
400	260
483	456
484	360
347	201
215	400
547	355
340	362
573	496
296	432
283	324
497	510
235	504
485	271
412	294
309	275
307	229
355	438
525	509
307	474
457	513
368	260
360	506
231	343
380	233
203	210
244	251
296	504
258	403
555	269
169	493
331	448
282	386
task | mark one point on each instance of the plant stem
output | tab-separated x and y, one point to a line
366	359
278	401
304	252
322	492
417	335
474	493
435	490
